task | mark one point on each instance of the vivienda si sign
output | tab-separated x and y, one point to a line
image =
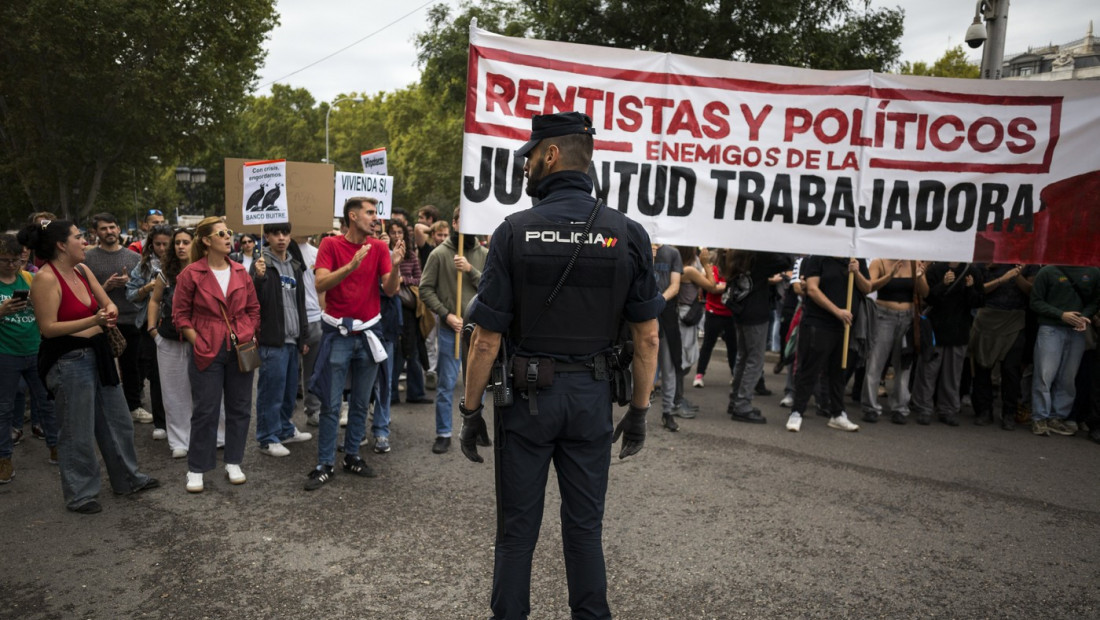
708	152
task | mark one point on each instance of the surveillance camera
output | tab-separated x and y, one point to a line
975	34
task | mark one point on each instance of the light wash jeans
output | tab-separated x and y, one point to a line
349	357
91	414
886	344
1058	352
12	369
447	367
276	393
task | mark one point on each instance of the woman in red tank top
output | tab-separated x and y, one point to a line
72	311
717	322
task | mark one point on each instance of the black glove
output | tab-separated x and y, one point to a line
473	432
632	428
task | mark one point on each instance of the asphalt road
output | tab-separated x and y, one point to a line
720	520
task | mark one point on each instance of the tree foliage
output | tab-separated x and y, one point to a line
88	87
953	64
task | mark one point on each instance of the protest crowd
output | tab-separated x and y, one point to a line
196	312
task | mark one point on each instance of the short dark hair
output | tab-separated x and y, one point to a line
575	149
352	204
102	217
430	211
281	227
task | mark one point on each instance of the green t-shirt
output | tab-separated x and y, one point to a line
18	332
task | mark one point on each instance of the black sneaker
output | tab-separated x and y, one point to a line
870	417
949	420
898	418
669	422
752	417
357	466
762	390
150	483
89	508
318	477
684	412
441	445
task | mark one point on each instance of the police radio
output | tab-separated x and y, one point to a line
500	380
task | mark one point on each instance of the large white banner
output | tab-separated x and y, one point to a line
264	197
726	154
352	185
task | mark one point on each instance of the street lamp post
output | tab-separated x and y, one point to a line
995	14
188	178
329	112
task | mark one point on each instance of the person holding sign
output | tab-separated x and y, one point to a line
439	292
349	270
821	334
282	334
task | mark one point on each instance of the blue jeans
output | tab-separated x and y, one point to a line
380	426
448	368
276	393
348	357
1058	352
91	414
12	369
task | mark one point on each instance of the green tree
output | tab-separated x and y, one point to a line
88	87
953	64
817	34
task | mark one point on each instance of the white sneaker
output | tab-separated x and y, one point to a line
160	433
179	453
194	482
787	401
236	476
794	422
298	436
698	382
274	449
141	416
842	423
343	414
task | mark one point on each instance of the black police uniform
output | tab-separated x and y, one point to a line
612	281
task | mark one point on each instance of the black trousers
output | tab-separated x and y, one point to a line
1012	368
151	370
572	430
222	378
715	326
820	352
129	366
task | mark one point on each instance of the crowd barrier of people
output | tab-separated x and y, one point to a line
349	320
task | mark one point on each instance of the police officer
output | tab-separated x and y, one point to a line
561	352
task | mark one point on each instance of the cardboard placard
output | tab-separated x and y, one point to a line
309	191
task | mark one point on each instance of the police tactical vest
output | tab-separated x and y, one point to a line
585	316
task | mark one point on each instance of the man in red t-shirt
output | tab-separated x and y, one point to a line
349	270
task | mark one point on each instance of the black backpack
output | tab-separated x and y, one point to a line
165	327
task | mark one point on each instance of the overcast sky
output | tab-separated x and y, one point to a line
386	61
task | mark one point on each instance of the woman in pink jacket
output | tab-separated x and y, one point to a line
212	294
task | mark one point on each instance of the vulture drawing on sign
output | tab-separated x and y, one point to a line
269	199
254	199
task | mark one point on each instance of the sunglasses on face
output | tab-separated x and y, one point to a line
249	240
224	234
